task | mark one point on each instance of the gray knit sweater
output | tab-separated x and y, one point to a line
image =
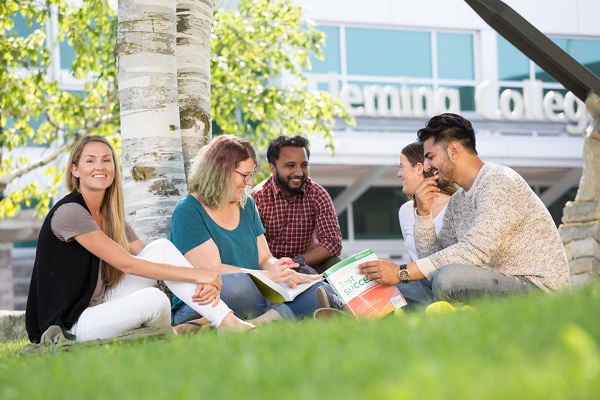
499	224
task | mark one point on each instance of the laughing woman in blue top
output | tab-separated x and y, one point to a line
217	227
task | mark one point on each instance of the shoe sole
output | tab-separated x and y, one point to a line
328	313
322	298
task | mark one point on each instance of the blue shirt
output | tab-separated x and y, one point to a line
191	226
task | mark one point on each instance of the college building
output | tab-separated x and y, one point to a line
395	64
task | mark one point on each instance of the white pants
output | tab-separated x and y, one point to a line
134	302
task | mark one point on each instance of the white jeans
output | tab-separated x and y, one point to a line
134	302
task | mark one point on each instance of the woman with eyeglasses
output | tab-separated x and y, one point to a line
217	227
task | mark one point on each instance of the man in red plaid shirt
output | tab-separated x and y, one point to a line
297	213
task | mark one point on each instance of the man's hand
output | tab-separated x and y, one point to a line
425	192
381	271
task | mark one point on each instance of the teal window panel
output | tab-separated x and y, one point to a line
67	55
22	27
467	98
512	64
380	52
331	52
34	124
455	56
587	52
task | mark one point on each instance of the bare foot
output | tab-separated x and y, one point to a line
231	323
270	316
192	326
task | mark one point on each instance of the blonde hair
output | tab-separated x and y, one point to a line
210	175
112	208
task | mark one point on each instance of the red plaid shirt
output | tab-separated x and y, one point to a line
295	227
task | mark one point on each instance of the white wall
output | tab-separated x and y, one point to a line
574	17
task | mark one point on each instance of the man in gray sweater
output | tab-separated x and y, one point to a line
497	237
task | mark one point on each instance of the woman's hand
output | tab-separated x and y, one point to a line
280	270
298	278
206	294
203	276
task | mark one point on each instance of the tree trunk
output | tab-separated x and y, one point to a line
580	230
153	172
194	26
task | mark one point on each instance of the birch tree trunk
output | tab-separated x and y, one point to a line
153	172
194	26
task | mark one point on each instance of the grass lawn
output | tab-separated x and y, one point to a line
534	347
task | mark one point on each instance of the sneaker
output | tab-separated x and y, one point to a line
329	313
329	300
440	307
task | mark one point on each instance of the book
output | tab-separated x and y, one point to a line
364	297
276	292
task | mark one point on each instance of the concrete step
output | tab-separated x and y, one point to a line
22	263
12	325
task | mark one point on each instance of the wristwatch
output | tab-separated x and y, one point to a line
403	274
299	259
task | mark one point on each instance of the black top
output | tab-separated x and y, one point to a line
63	279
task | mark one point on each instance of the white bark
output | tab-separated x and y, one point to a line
194	26
153	172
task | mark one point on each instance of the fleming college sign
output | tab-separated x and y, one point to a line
418	102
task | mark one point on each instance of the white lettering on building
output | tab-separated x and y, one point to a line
423	102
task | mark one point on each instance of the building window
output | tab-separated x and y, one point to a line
331	52
67	55
515	66
376	213
22	28
334	191
455	56
384	52
512	64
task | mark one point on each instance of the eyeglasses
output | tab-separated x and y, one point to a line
246	177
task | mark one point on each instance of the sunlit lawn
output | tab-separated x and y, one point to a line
535	347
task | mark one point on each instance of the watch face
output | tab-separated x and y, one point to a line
404	275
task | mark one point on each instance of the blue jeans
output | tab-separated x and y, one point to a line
243	298
460	284
305	304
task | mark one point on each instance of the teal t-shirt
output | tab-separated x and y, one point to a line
191	226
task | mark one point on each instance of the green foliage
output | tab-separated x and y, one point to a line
529	347
254	50
34	109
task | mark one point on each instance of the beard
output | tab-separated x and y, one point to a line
284	184
446	173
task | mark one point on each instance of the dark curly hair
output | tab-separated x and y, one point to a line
285	141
